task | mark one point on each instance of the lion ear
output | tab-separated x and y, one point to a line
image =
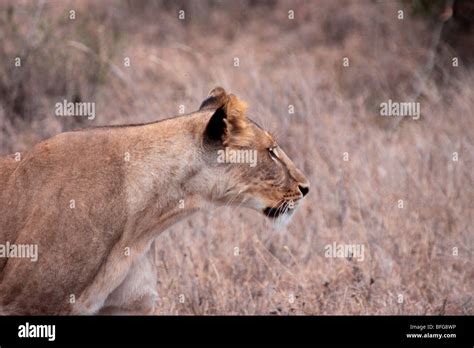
239	130
228	124
216	99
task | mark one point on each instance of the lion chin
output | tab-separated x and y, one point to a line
280	216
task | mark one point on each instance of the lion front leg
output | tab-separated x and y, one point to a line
137	293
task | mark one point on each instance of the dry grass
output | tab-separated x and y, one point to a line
408	251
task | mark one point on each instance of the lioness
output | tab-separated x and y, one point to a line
93	202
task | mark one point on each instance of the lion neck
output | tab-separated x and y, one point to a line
166	178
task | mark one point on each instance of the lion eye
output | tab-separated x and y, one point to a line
273	152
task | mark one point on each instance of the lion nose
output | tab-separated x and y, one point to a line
303	189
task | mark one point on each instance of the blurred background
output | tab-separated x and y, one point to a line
417	260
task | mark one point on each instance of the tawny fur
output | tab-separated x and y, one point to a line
96	255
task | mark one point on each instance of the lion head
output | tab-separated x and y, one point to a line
250	169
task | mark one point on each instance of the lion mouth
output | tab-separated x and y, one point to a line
275	212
